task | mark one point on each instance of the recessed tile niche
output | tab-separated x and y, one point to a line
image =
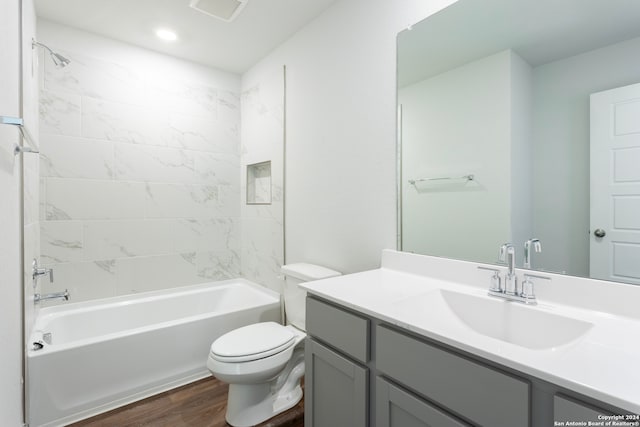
259	183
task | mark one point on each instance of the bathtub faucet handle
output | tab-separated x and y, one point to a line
37	272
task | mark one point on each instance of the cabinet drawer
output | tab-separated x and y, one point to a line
453	381
397	408
347	332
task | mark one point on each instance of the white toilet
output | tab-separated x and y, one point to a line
264	362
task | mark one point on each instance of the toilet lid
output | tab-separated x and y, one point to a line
252	342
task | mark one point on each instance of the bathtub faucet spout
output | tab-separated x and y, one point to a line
56	295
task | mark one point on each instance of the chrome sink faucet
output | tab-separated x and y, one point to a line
510	290
508	255
527	251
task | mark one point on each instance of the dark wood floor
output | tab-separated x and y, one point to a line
199	404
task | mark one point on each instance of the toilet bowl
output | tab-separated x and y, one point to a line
243	359
264	362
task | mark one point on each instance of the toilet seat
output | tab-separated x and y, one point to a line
252	342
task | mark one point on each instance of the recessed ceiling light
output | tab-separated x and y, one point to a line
166	34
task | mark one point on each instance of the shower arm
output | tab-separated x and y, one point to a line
29	144
35	43
59	60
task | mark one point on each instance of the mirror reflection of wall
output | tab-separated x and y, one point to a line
466	122
505	97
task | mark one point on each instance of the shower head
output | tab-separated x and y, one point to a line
59	60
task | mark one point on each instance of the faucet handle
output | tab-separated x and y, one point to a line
37	272
537	247
496	285
503	252
527	287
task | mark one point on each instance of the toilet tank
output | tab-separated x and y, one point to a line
294	296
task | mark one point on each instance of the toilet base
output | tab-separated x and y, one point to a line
284	403
251	404
247	405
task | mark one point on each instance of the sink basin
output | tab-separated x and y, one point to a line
513	322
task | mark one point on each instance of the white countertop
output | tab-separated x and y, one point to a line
604	363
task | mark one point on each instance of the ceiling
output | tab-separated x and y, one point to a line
233	47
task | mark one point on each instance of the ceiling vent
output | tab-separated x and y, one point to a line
227	10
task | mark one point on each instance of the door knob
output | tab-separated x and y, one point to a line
600	233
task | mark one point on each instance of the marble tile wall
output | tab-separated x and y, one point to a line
140	182
262	239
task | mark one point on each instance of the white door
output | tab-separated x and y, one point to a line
615	185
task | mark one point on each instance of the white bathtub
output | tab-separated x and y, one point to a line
110	352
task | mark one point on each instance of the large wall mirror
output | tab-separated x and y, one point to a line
520	120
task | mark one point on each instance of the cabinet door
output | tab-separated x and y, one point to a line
397	408
335	389
567	409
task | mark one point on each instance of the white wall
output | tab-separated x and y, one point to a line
561	148
10	171
341	108
341	131
12	270
140	167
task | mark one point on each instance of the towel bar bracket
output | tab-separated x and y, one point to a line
26	136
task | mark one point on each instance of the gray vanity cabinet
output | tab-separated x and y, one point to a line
336	389
398	408
343	330
465	387
362	371
336	376
567	409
